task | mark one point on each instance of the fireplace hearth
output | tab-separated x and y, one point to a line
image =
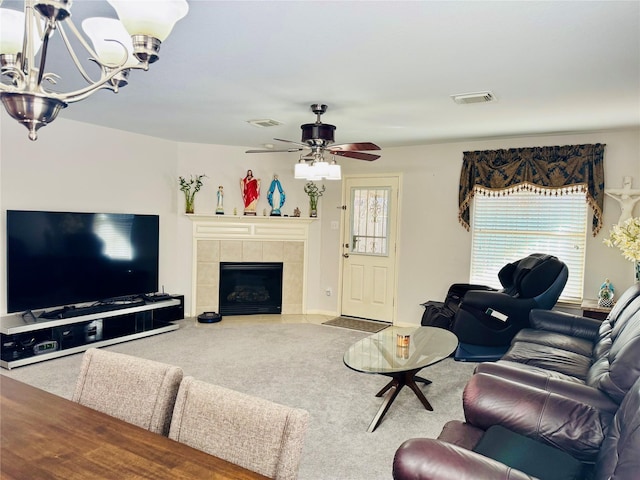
248	288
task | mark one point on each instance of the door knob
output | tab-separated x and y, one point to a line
345	255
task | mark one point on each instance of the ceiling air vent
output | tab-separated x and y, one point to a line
477	97
263	123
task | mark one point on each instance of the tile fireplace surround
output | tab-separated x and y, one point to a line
226	238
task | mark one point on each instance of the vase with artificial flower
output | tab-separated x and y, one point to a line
626	237
190	188
314	193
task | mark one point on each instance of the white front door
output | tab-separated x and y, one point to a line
369	247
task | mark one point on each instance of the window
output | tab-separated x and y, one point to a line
508	227
370	221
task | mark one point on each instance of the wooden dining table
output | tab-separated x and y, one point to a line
47	436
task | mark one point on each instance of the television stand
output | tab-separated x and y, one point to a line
26	341
70	312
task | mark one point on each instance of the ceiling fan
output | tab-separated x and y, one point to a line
318	138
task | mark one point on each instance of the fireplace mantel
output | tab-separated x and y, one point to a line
235	238
250	227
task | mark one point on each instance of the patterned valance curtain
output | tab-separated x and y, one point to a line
563	168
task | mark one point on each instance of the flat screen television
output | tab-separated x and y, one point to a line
64	258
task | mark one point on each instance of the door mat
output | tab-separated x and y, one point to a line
371	326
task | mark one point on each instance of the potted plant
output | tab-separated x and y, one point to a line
190	188
627	238
314	193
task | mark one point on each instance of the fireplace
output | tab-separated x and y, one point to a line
236	238
248	288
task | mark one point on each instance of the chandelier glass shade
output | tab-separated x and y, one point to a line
108	36
12	31
143	17
117	46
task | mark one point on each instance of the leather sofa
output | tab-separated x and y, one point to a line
581	358
567	383
488	445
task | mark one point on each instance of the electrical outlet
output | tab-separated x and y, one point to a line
328	291
335	225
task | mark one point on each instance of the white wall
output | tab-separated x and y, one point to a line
81	167
435	248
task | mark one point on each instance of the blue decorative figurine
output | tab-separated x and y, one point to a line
605	295
275	190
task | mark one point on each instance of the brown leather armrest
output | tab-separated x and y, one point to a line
428	459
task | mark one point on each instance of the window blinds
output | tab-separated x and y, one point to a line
509	227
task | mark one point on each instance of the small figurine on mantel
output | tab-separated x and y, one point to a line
219	206
250	188
276	196
605	295
296	212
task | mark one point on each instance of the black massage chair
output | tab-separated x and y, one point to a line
485	319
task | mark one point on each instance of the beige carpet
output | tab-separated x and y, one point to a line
299	365
351	323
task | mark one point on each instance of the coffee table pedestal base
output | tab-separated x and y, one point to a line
392	389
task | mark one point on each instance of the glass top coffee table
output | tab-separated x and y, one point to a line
400	353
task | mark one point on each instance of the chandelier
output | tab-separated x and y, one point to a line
133	42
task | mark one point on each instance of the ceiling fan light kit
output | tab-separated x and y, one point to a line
318	137
317	170
25	34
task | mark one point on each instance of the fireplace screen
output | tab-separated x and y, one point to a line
250	288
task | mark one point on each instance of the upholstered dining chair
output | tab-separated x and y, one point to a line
136	390
252	432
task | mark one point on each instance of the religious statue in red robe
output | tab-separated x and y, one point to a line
250	188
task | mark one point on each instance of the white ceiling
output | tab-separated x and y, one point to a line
386	69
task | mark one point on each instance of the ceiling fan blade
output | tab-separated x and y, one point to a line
369	157
291	141
288	150
351	147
